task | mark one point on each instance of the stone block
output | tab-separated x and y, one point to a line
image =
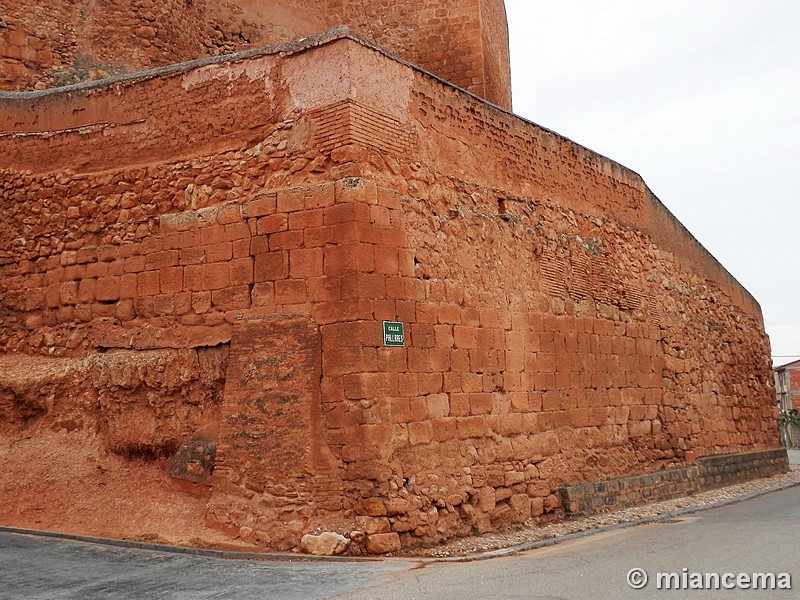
260	205
383	543
371	507
324	544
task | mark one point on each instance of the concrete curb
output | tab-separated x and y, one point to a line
282	557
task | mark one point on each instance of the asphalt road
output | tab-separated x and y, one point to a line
760	535
36	567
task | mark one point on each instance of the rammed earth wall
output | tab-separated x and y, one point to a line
561	326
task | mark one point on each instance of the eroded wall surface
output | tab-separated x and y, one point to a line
562	327
56	43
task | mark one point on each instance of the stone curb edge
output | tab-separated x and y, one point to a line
281	557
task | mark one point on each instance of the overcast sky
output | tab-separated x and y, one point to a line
702	99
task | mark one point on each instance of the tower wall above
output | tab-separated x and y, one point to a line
43	45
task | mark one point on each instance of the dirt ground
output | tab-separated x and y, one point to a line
44	480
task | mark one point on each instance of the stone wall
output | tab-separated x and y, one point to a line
709	472
561	326
464	42
718	471
56	43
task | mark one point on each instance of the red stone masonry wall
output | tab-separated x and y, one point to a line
57	43
464	42
496	58
562	327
